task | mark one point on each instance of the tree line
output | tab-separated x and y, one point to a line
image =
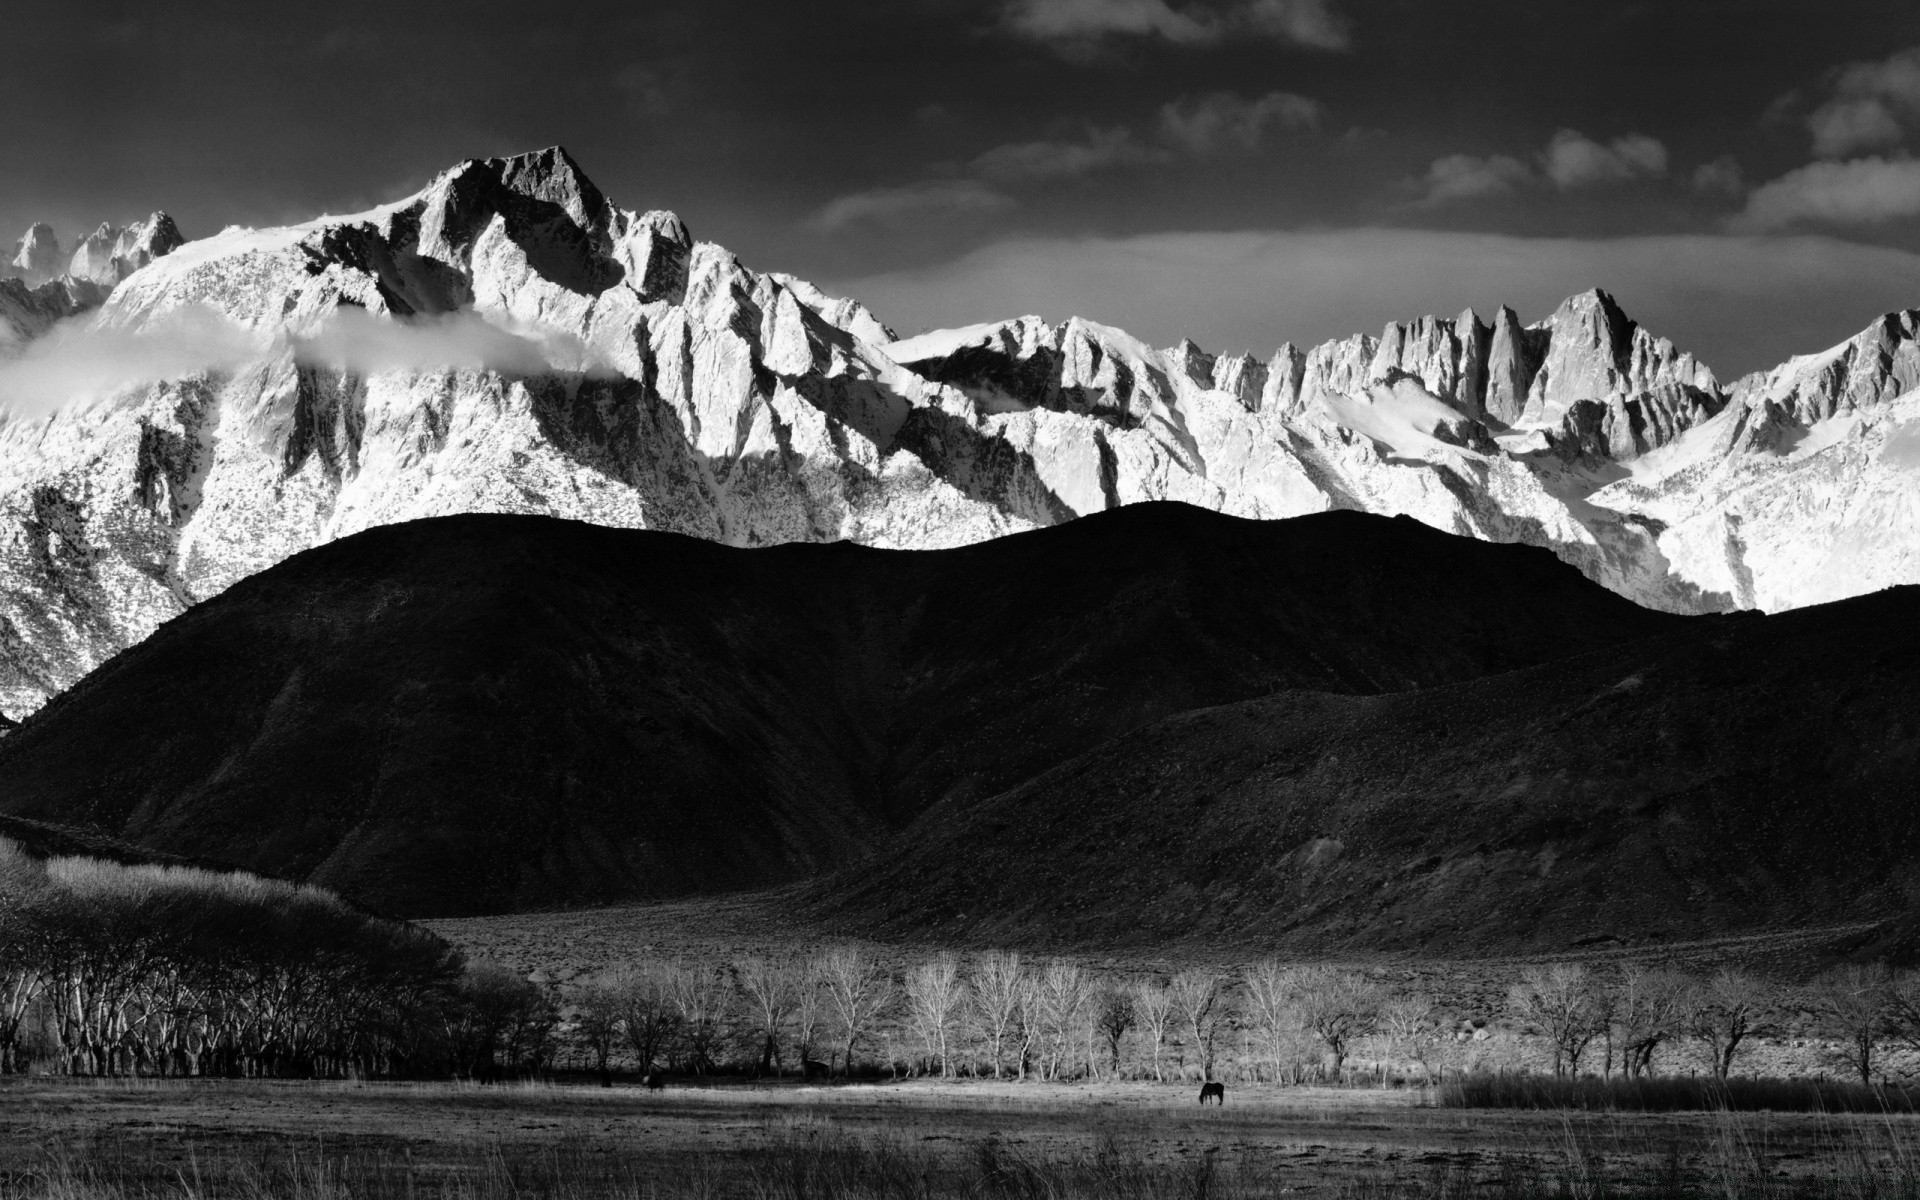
108	969
997	1015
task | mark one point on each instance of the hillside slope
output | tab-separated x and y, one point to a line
484	713
1748	772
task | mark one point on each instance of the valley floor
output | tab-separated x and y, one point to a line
219	1138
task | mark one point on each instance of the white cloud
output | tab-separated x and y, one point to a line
895	206
1068	23
77	361
1024	162
1571	160
1843	127
1864	191
352	339
1220	121
1574	160
1465	177
1895	78
1721	177
1864	109
1307	22
1740	302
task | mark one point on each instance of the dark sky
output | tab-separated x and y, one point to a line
1241	170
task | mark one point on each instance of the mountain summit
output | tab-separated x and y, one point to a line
509	340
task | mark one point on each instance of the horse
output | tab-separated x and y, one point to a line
654	1081
813	1068
1216	1091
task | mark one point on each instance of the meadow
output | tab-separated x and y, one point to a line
75	1139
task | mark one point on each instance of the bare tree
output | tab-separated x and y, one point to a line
1722	1012
771	986
1196	996
859	989
1646	1011
1335	1006
648	1015
809	1006
1063	995
1859	1000
1267	989
1031	1021
1560	1000
935	995
702	995
1409	1023
599	1020
1153	1006
1113	1016
1903	1008
998	981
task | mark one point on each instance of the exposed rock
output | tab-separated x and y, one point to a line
37	255
109	254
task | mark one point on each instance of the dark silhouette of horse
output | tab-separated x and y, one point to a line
654	1081
1217	1092
813	1068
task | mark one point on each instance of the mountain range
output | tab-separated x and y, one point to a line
508	340
500	549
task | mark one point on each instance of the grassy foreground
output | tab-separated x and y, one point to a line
168	1140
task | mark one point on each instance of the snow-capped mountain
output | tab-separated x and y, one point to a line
607	367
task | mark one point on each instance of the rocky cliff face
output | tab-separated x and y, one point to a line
509	340
36	256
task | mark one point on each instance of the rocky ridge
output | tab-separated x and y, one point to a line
656	382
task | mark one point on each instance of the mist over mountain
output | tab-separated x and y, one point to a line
605	366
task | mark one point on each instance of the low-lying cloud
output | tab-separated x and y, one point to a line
1741	303
78	360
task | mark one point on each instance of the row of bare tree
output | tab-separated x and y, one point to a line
998	1015
1629	1014
995	1015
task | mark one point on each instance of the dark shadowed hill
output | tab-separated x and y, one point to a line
1750	772
484	713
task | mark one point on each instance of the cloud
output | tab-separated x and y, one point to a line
1843	127
1464	177
1721	177
1071	24
1220	121
1864	191
1191	126
1574	160
77	361
1028	162
352	339
1571	160
1740	302
896	206
1865	105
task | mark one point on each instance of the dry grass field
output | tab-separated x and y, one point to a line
78	1139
